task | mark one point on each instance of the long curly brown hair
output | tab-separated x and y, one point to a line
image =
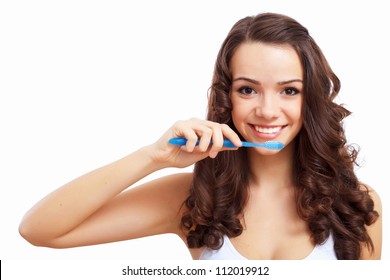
329	196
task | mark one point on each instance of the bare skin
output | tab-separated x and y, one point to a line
102	206
96	208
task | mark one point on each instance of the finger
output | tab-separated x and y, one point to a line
196	132
191	137
217	141
205	135
192	140
231	135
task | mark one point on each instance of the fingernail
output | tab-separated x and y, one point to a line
213	154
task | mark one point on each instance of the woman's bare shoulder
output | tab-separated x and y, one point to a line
374	230
167	192
374	196
165	196
175	186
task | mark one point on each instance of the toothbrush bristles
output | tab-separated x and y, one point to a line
273	145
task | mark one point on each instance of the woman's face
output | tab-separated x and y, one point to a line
266	92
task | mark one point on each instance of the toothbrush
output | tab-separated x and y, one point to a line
271	145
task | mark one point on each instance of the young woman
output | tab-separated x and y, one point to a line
271	82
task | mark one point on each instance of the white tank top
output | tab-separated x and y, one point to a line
323	251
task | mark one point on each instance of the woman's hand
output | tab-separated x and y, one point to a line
193	130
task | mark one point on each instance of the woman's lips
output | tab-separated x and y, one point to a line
267	132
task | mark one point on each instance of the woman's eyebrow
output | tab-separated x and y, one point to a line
258	83
290	81
247	79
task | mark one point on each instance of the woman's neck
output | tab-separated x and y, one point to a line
272	171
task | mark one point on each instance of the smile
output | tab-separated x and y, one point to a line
268	130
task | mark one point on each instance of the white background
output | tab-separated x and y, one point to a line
84	83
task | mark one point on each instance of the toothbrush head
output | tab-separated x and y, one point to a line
271	145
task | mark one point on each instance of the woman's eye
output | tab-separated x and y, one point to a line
247	90
290	91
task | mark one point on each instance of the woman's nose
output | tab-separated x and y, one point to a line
268	106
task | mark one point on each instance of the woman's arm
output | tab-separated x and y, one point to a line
95	208
77	213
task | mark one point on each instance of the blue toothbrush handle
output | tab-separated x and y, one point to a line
181	141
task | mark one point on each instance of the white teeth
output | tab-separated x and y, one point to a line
268	130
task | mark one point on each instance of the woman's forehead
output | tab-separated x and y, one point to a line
258	61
